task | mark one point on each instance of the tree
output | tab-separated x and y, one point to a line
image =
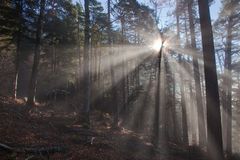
182	90
12	24
80	19
62	14
19	36
227	99
229	21
155	139
114	84
201	121
86	65
214	129
37	50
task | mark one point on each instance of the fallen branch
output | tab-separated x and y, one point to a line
34	150
6	148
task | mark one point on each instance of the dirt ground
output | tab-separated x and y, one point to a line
56	130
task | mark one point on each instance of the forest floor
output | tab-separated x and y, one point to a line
46	127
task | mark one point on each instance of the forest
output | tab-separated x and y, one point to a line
119	79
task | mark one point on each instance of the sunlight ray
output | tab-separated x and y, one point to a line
190	99
118	78
119	52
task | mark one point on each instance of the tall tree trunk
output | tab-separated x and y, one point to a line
170	94
163	109
113	79
166	103
37	50
86	66
174	112
79	67
182	91
227	86
214	128
183	104
192	111
17	58
123	83
155	138
201	122
191	107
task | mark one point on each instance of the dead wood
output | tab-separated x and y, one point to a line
33	150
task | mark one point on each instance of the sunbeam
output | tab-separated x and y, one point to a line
144	55
120	79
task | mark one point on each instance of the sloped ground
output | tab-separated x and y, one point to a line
46	126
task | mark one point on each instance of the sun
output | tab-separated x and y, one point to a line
157	44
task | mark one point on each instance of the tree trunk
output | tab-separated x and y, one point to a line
17	58
214	128
79	67
37	50
192	113
123	79
174	112
201	122
227	86
113	78
155	138
183	104
166	103
182	91
86	67
170	105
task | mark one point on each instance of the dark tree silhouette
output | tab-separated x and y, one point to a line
37	50
214	129
86	66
